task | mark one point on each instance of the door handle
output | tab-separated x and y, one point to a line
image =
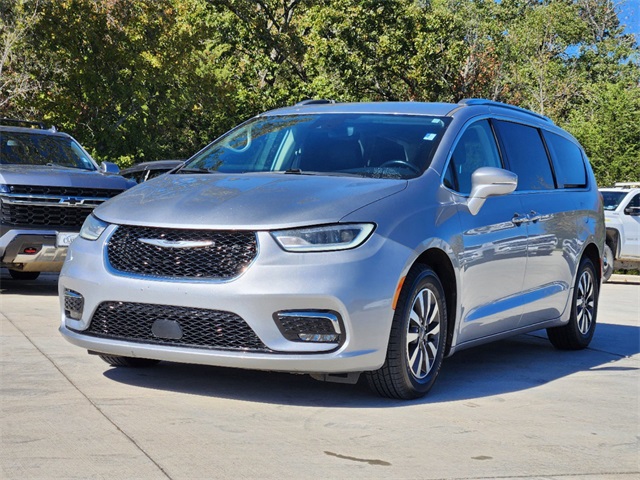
519	219
534	216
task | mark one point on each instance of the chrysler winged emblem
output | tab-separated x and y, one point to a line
159	242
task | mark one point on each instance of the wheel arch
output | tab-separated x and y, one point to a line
613	240
441	264
592	253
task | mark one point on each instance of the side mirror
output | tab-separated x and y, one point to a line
633	211
109	168
489	182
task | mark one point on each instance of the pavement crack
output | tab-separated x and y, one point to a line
95	406
355	459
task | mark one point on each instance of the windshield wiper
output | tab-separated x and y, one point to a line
58	165
194	170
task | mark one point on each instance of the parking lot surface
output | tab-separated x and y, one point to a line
513	409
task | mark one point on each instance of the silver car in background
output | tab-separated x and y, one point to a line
336	239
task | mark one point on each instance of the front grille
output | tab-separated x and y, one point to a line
64	191
51	206
43	215
226	256
201	328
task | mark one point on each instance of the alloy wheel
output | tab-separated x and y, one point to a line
585	302
423	334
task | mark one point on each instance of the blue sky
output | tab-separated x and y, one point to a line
629	14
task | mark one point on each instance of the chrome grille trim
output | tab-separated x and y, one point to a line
35	205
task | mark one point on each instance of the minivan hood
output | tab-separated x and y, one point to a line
46	175
244	201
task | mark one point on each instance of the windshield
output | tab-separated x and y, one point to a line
20	148
378	146
612	199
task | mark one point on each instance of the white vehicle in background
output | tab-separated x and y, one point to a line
622	218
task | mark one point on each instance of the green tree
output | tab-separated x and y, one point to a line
17	18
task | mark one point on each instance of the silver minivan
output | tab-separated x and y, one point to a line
339	239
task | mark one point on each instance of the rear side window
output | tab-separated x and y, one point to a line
568	161
526	155
476	148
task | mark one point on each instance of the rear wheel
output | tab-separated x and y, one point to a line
131	362
19	275
417	340
577	334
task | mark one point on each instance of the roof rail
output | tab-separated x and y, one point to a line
627	184
23	123
314	101
493	103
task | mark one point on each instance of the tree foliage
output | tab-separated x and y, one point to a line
150	79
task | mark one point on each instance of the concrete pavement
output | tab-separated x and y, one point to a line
513	409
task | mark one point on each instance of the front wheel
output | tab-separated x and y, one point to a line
417	340
577	334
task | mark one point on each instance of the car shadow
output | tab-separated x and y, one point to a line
46	284
519	363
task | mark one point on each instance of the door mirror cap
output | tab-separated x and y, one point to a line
489	182
109	168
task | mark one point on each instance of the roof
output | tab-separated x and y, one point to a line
622	187
402	108
33	131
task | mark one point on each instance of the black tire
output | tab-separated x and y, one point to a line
577	334
417	341
19	275
130	362
607	269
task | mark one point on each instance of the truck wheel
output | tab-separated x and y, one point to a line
19	275
417	341
577	334
607	269
131	362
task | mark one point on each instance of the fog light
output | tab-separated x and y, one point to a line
73	304
316	337
314	326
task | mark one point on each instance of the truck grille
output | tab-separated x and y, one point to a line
200	328
43	215
64	191
46	206
216	254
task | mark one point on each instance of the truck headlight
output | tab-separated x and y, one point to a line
325	238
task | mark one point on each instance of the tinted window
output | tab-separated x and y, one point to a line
476	148
36	149
526	155
611	200
568	162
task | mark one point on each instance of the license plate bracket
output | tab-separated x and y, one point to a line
64	239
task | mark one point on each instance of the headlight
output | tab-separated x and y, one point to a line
4	188
323	239
92	228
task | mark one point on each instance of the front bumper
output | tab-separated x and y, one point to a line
32	250
357	284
